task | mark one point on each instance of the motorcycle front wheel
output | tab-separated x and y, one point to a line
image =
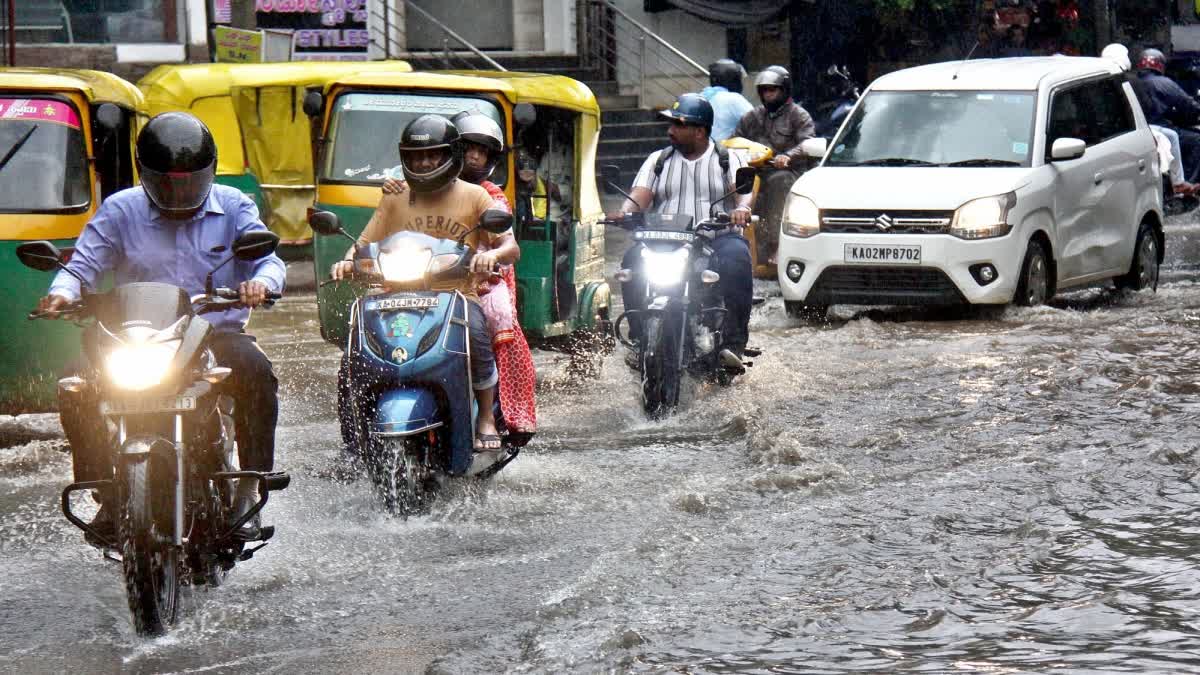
149	559
660	371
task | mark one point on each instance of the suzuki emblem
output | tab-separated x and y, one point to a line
884	222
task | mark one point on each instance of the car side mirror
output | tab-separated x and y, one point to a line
744	180
314	102
1065	149
40	255
610	174
496	221
255	245
814	147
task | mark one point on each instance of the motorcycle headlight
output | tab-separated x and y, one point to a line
665	269
136	366
984	218
801	217
404	264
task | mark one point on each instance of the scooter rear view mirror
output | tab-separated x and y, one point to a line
496	221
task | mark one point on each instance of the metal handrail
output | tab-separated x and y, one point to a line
446	29
646	31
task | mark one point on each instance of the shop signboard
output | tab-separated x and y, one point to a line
322	30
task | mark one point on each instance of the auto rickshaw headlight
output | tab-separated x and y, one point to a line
801	217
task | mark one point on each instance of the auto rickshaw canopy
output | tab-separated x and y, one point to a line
95	85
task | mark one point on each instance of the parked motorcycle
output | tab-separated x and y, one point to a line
172	439
842	93
406	398
681	325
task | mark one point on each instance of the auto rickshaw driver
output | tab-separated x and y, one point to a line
441	205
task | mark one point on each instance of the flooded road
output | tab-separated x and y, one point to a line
893	491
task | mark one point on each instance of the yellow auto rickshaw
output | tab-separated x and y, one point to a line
553	121
66	143
254	112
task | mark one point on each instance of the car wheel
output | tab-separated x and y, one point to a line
1143	272
1034	286
805	311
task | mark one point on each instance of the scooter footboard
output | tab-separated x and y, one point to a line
403	412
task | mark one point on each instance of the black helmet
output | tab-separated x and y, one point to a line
431	132
475	127
691	109
176	160
774	76
726	73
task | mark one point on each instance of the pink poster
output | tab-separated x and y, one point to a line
222	11
39	110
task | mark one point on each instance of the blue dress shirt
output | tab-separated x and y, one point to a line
130	237
728	109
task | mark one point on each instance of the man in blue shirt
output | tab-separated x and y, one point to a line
724	93
175	228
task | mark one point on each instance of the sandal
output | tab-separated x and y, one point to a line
488	442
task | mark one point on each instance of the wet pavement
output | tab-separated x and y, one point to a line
897	490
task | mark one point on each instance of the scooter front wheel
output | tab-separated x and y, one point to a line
404	476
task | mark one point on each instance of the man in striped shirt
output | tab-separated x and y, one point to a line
689	178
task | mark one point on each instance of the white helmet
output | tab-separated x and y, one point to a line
1119	54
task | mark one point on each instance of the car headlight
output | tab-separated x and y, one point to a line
801	217
984	218
140	365
404	264
665	269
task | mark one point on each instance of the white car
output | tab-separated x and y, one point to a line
980	182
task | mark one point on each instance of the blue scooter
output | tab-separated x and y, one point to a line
405	399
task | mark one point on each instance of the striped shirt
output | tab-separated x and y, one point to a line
689	186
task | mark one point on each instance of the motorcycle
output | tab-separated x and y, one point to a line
405	396
843	95
680	327
172	433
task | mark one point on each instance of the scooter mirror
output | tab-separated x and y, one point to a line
496	221
744	180
255	245
611	175
325	222
40	255
314	101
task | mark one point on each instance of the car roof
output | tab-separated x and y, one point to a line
1014	74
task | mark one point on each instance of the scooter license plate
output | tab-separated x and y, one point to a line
141	406
417	302
886	255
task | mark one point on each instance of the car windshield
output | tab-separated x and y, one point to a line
43	162
938	128
365	131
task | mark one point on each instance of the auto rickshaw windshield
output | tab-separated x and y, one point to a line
361	121
43	161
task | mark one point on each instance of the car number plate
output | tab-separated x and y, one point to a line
139	406
889	255
419	302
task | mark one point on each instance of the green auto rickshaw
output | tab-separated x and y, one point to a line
66	143
254	112
552	121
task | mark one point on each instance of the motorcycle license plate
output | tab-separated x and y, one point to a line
141	406
418	302
886	255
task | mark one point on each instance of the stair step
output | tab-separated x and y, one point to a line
634	130
627	115
630	147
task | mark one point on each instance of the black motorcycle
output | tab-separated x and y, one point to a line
842	94
172	434
681	324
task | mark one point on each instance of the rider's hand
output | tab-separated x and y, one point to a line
392	186
781	162
740	216
341	269
483	262
252	293
52	303
617	215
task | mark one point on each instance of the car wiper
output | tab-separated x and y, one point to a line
895	161
984	162
16	146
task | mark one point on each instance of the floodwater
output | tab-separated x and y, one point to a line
894	491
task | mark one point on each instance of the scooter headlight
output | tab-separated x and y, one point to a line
665	269
138	365
404	264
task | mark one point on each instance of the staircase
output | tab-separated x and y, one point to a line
627	137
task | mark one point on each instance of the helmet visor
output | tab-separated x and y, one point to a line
177	190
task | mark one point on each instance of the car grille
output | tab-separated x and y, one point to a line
851	221
861	285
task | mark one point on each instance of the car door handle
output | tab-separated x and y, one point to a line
1098	178
1141	165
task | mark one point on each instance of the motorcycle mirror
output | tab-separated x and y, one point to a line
314	102
496	221
611	175
255	245
524	115
40	255
744	180
325	222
